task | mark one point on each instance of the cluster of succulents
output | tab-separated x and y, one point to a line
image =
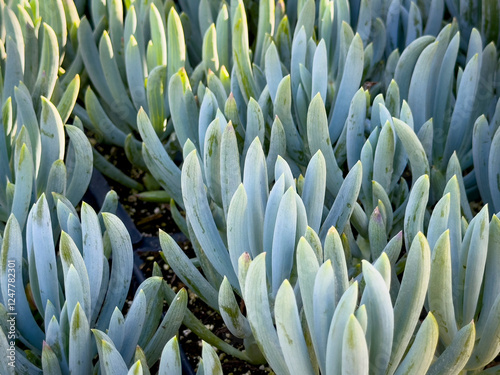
320	156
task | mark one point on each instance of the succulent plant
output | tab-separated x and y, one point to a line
36	105
221	232
40	39
311	66
253	95
252	83
78	290
445	107
463	281
129	68
271	210
326	327
485	150
286	73
326	135
482	16
37	159
247	216
327	303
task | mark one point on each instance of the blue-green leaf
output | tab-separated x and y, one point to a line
415	209
319	139
159	163
121	269
198	211
50	362
91	59
211	362
237	240
170	363
223	28
384	157
461	123
494	171
111	362
306	19
417	94
71	257
476	262
411	297
438	222
49	65
183	108
241	54
184	268
355	138
120	100
407	62
348	87
456	354
324	303
259	315
273	70
80	348
313	193
230	173
440	294
415	150
26	116
52	141
421	354
354	349
134	323
176	46
283	109
491	276
343	311
23	187
489	344
43	254
81	172
481	146
135	73
255	124
12	253
344	202
168	327
290	331
116	330
283	247
256	187
211	160
104	127
236	322
380	318
320	71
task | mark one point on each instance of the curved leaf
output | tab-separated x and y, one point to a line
354	349
290	331
198	210
421	354
259	315
411	297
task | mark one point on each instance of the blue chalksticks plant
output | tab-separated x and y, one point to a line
333	164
